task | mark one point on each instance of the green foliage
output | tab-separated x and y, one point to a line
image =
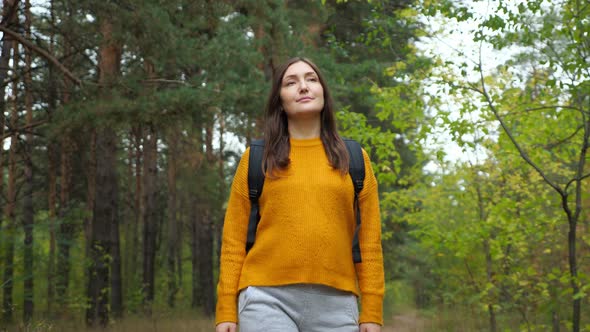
499	226
486	232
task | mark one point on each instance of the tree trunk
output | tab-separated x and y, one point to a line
555	317
8	15
150	222
65	232
102	222
488	258
51	176
116	276
218	226
116	304
195	258
489	277
136	138
173	234
266	67
51	202
91	190
9	213
138	193
129	220
314	31
105	212
66	229
28	213
573	267
205	252
209	136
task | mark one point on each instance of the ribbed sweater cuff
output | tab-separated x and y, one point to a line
371	309
226	310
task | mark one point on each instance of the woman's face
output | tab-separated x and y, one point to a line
302	94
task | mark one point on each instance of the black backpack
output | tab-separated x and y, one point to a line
356	169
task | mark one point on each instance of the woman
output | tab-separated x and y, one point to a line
300	274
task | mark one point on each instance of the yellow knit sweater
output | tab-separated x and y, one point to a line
305	233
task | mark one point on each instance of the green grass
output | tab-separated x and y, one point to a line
157	323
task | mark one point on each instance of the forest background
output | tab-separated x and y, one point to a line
123	121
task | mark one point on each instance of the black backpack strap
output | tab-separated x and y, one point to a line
356	168
255	184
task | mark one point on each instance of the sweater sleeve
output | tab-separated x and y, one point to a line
370	271
233	244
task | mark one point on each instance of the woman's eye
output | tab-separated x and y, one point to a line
289	83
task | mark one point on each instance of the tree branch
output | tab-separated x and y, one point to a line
43	53
163	80
540	108
553	145
521	151
473	281
580	171
13	131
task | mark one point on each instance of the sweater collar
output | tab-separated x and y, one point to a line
305	142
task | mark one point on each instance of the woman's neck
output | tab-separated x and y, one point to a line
304	128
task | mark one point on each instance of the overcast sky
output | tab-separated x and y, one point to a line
453	41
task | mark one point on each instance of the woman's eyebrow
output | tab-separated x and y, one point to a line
295	75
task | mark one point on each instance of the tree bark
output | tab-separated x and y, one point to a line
209	135
136	135
116	275
105	212
555	316
28	213
265	66
218	226
8	15
65	232
573	268
102	222
10	230
91	190
128	219
116	304
51	177
66	229
205	252
489	277
483	215
195	228
150	222
173	234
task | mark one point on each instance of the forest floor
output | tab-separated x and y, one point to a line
409	321
405	321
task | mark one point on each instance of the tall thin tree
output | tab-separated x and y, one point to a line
105	211
28	213
9	209
51	173
150	224
150	216
66	230
9	11
173	234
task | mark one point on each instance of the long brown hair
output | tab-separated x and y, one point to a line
276	133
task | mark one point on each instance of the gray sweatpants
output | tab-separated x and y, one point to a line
297	308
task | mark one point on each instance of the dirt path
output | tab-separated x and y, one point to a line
406	322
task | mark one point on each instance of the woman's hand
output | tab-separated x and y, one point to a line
370	327
226	327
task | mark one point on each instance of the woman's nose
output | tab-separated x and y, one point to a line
303	86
